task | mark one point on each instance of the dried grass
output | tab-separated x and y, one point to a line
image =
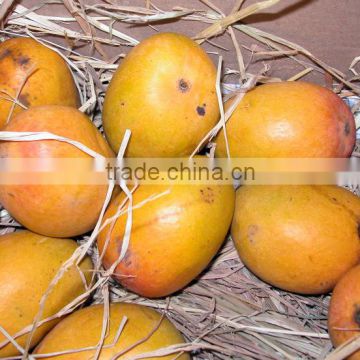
227	312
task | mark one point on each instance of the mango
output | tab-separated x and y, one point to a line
37	74
173	238
289	119
164	92
82	329
298	238
29	262
344	310
58	210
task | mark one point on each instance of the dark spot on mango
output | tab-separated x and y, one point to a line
24	99
200	110
357	314
358	230
11	194
347	128
207	195
183	86
122	103
252	231
23	60
5	54
127	260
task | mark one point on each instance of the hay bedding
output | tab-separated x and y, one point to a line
227	312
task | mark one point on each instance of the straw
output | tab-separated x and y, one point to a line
226	312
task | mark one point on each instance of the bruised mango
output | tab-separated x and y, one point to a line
164	92
34	75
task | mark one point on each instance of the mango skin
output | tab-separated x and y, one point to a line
51	82
83	329
289	119
298	238
344	310
173	238
164	92
54	210
28	264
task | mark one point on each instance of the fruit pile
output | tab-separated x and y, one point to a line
302	239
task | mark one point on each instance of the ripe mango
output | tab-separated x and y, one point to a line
40	75
29	262
344	310
59	210
298	238
289	119
164	92
82	329
173	238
